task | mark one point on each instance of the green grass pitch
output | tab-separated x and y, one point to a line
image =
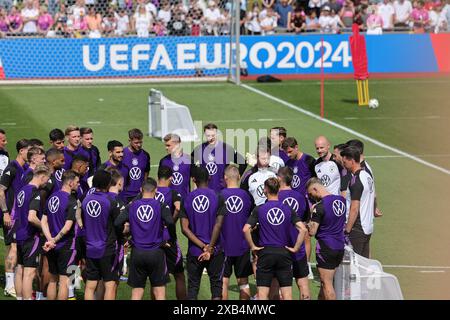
413	116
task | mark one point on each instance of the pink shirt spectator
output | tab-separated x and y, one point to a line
80	24
45	22
419	15
374	20
15	21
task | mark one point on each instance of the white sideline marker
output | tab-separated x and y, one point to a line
357	134
94	122
8	123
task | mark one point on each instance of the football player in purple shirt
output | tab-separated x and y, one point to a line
201	221
215	156
327	225
58	226
10	184
274	252
299	204
179	162
73	147
137	160
236	206
99	212
90	151
147	217
277	137
115	150
27	212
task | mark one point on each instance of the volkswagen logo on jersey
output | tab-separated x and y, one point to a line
53	204
134	162
325	179
59	173
200	203
20	198
90	191
135	173
234	204
338	208
177	178
93	208
212	168
145	213
260	191
292	203
275	216
160	197
295	181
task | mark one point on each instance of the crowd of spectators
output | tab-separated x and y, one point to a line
144	18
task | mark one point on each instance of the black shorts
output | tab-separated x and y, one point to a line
360	242
300	268
61	262
80	247
102	269
149	264
174	259
328	258
28	252
274	263
242	266
8	236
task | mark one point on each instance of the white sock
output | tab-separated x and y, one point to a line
124	269
71	292
39	295
18	298
9	280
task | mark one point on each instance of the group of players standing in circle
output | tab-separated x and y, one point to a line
63	209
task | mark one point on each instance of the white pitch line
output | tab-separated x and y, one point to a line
415	267
432	271
353	132
416	155
8	123
94	122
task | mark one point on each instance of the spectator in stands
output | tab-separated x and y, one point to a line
6	4
361	16
312	22
149	6
123	23
15	20
316	5
177	25
179	7
336	22
325	21
164	12
298	21
159	28
333	5
437	20
374	21
347	13
109	24
225	22
269	22
284	11
80	25
78	9
4	23
212	16
143	22
61	20
252	21
45	21
420	18
403	10
268	3
29	16
194	18
94	21
386	11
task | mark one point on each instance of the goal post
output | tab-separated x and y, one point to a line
166	116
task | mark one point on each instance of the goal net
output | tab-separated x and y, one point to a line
166	116
359	278
85	40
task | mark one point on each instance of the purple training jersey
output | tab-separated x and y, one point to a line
303	170
139	165
27	199
181	172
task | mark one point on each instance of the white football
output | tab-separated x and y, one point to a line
373	104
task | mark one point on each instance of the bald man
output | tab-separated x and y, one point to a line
327	169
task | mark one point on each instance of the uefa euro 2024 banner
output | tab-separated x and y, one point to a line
182	56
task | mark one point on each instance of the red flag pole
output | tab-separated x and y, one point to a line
322	76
